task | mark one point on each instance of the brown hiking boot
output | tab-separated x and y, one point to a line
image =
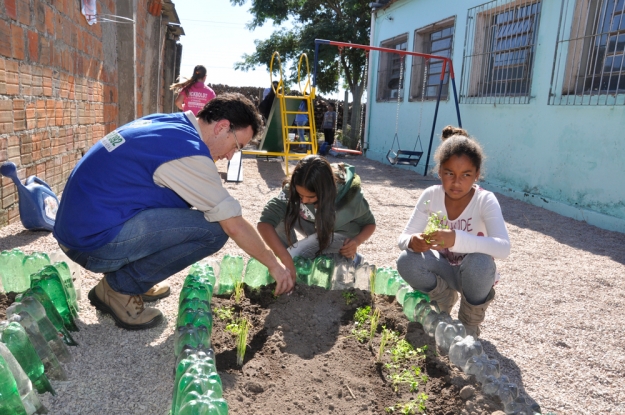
444	295
473	315
158	291
127	310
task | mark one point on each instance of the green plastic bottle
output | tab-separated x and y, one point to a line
203	270
203	291
323	268
394	282
38	294
16	339
230	273
196	364
28	395
410	302
382	277
205	405
191	336
14	279
303	269
52	367
66	278
194	304
10	401
401	293
196	318
192	386
50	281
256	274
34	262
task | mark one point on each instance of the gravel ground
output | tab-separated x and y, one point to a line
554	325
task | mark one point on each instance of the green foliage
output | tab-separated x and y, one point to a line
434	224
240	328
410	408
375	318
349	297
411	376
340	20
362	316
404	351
224	313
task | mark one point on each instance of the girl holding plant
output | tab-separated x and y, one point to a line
455	232
325	203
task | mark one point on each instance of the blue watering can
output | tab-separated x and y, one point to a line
38	203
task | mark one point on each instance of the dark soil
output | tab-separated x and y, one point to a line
302	358
5	301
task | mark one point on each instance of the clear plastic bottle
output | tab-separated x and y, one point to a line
34	262
38	294
75	270
34	308
432	320
446	332
462	349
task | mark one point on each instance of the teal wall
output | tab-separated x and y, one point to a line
569	159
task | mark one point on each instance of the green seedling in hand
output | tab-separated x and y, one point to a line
434	224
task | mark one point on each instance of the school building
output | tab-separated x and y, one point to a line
541	85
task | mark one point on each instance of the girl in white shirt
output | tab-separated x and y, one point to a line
459	258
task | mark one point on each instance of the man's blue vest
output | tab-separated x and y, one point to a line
114	181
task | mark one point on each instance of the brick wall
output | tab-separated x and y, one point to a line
57	94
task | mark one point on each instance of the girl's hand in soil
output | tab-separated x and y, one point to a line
284	282
418	244
442	239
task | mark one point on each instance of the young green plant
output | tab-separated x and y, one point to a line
240	328
349	297
361	317
373	328
238	291
434	224
224	313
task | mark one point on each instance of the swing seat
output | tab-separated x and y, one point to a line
404	157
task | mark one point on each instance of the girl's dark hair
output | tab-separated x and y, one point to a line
199	72
457	142
315	174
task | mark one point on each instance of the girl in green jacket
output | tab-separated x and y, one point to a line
328	207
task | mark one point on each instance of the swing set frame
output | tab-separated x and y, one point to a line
447	66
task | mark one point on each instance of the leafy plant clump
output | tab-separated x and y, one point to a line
412	377
410	408
224	313
349	297
373	328
434	224
362	316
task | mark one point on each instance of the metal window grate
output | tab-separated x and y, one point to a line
499	52
390	66
437	39
589	66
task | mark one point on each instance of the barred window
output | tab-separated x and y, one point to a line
435	39
389	69
589	66
499	52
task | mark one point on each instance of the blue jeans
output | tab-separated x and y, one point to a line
152	246
473	278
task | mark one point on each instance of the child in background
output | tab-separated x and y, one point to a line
326	204
301	120
329	121
459	258
193	94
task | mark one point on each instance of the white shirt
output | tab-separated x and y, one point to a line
479	228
